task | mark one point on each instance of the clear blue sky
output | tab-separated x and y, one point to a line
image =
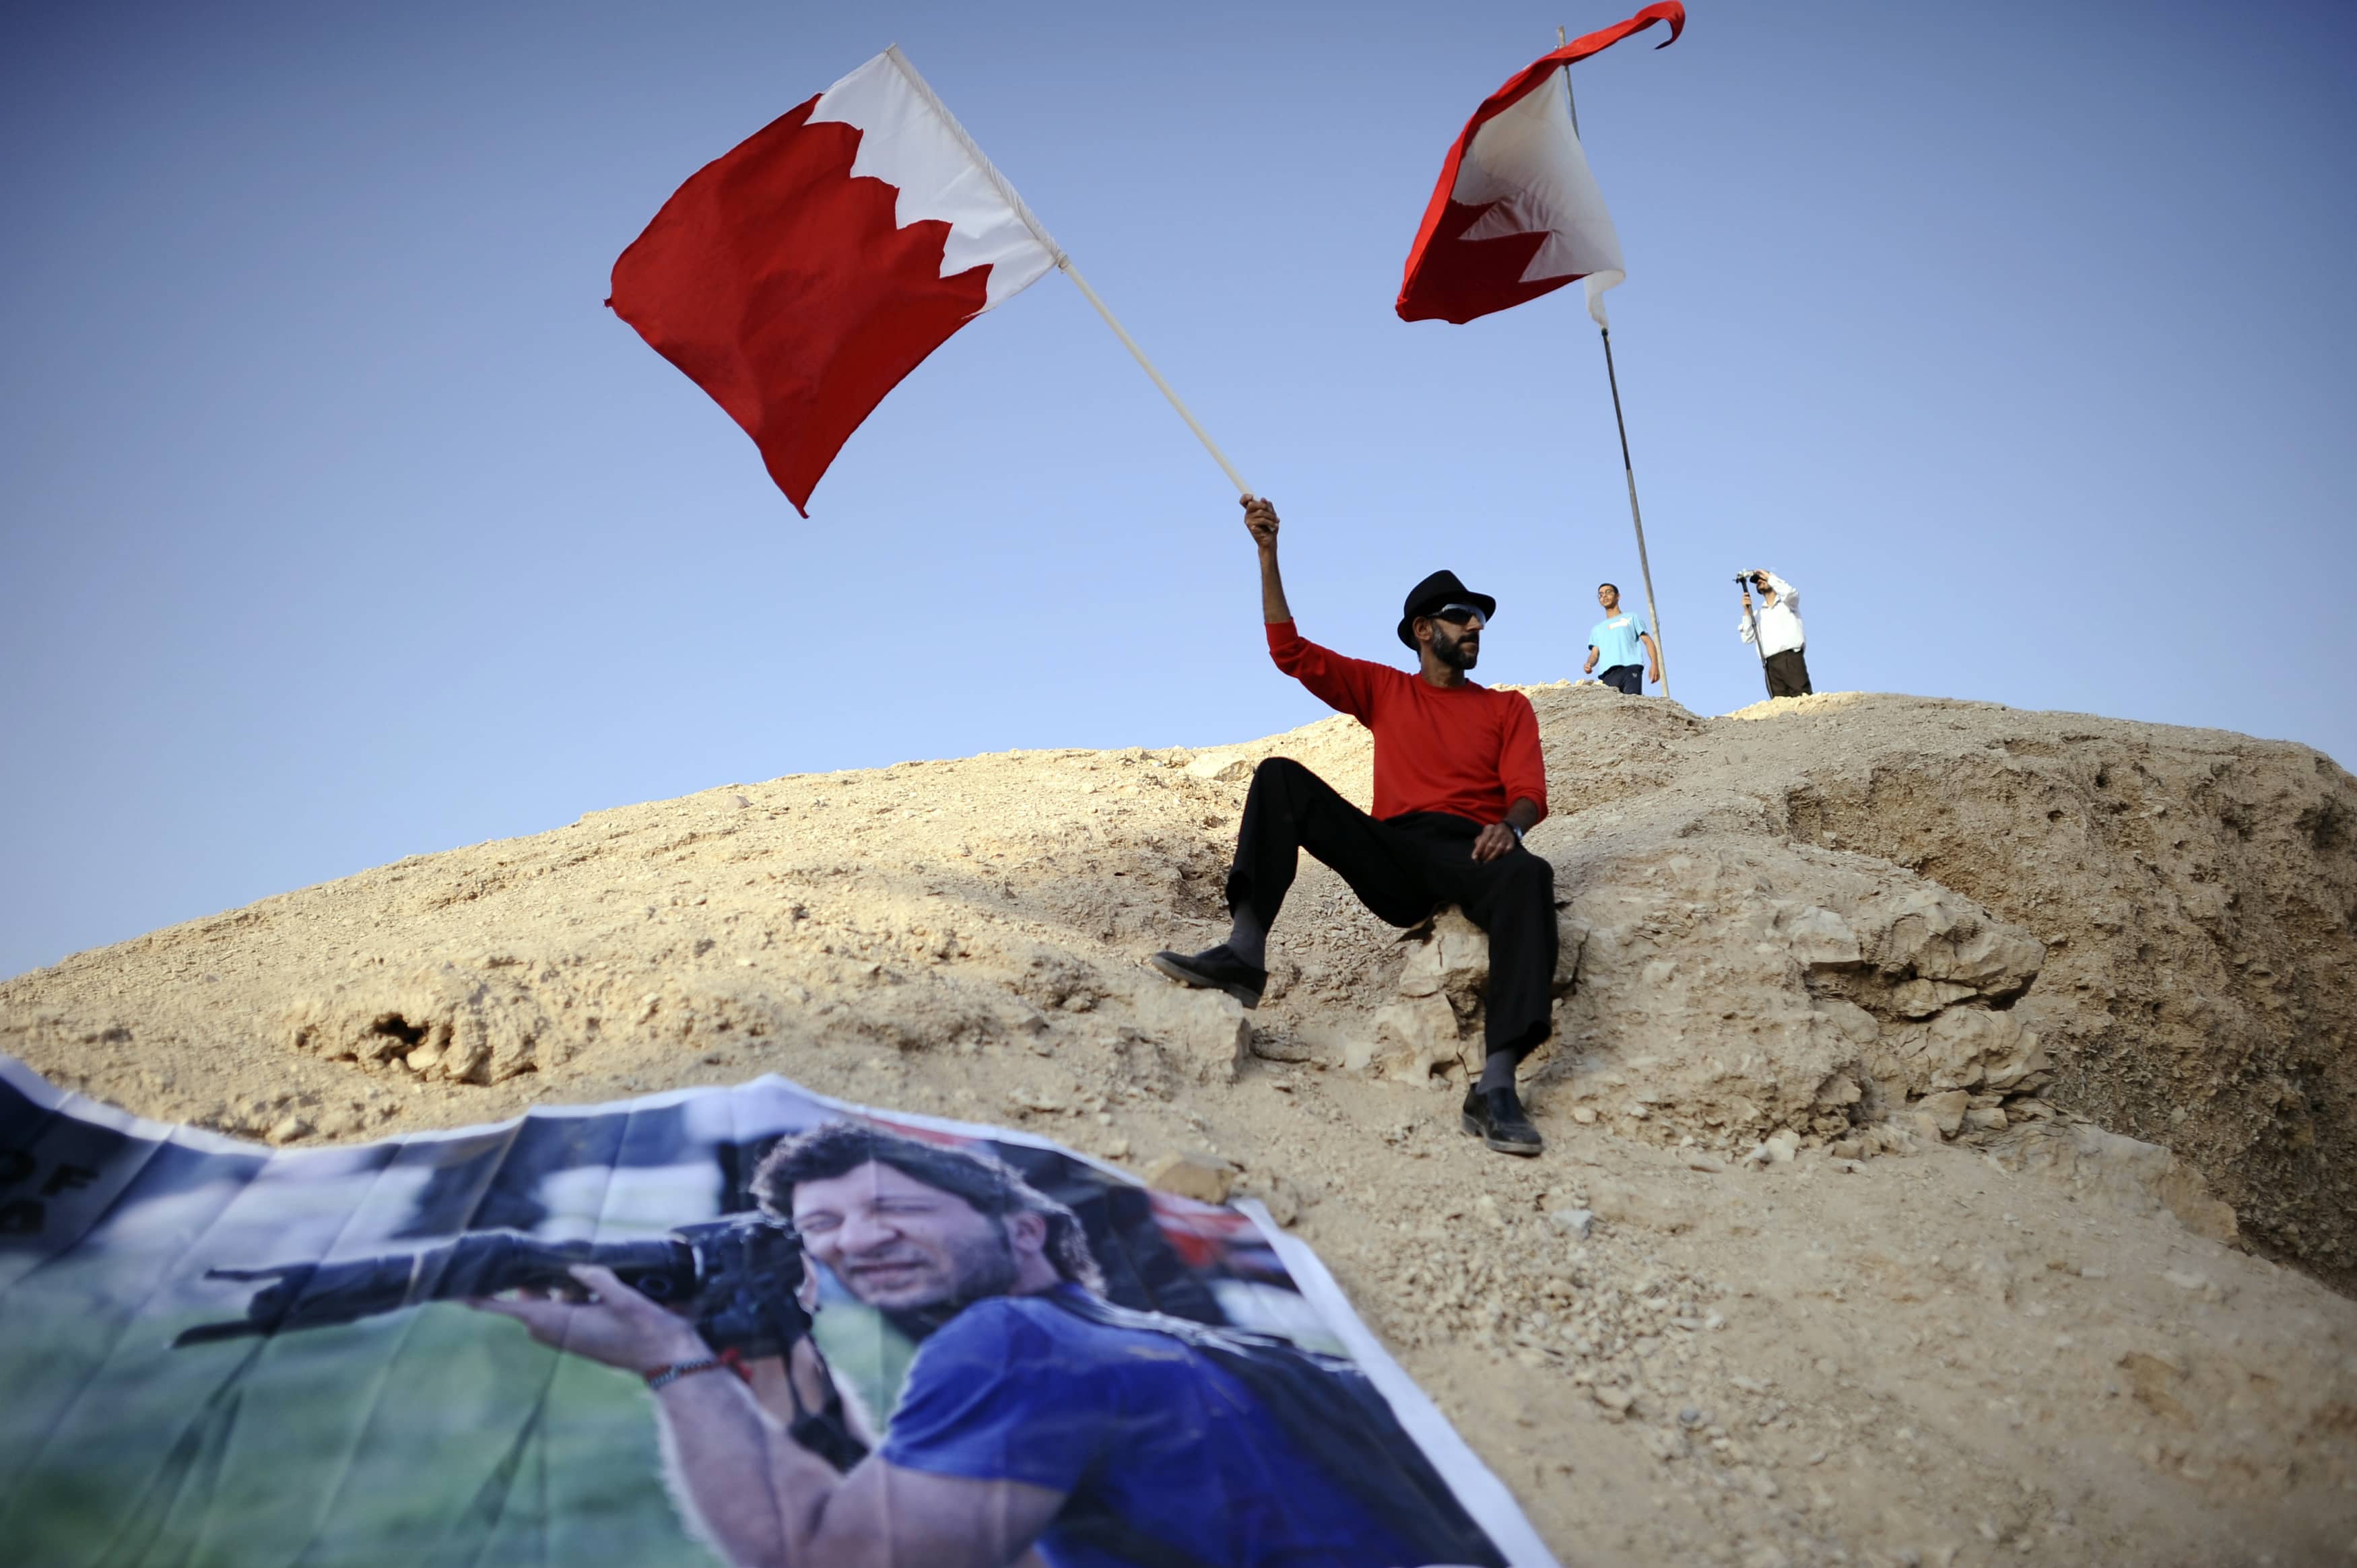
342	523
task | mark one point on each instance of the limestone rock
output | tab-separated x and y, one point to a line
1201	1034
2157	1380
446	1020
1272	1046
1839	1089
1817	937
1939	935
1575	1223
1226	766
1964	1048
1921	998
1946	1111
1856	1024
1453	961
1204	1178
1826	973
1284	1198
1415	1038
2140	1177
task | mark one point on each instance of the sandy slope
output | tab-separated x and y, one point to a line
1943	946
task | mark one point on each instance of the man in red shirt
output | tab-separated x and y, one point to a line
1458	780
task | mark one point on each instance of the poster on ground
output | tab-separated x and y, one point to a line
721	1326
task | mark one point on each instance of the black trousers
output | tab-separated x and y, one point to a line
1403	869
1626	678
1788	674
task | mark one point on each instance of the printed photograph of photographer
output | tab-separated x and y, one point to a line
745	1326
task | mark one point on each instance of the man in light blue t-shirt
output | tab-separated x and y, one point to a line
1616	641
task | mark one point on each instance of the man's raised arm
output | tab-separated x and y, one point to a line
1348	685
1260	519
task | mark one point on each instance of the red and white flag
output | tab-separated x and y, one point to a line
1516	213
800	275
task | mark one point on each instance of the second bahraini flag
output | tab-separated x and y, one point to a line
800	276
1516	213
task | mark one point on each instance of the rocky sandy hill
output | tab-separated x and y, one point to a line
1950	1112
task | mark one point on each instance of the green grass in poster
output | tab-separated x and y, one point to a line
427	1437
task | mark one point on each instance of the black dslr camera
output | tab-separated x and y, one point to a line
737	1277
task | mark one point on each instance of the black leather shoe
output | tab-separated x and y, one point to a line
1215	969
1495	1116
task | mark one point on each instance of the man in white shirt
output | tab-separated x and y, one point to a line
1780	641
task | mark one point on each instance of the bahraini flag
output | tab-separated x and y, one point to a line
800	275
1516	213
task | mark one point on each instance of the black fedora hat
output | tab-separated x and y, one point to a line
1440	588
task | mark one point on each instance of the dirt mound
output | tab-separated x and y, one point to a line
1932	1082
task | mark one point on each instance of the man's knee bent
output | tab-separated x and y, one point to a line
1282	784
1525	874
1281	773
1525	885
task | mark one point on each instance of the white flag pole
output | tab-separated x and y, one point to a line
1039	230
1627	469
1146	364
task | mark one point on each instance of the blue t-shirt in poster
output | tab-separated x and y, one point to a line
1133	1425
1615	642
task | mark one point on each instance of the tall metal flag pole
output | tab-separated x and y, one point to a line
1644	566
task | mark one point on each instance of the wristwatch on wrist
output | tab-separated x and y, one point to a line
1515	830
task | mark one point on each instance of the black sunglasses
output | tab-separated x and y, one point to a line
1460	614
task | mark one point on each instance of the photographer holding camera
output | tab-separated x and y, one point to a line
1779	631
1035	1415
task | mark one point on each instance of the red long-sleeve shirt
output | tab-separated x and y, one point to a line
1465	749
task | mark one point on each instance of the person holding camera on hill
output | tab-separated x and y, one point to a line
1779	630
1036	1414
1458	780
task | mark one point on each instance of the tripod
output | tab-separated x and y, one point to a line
1743	581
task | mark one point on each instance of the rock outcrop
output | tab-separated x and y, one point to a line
1829	915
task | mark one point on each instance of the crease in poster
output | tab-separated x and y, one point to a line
711	1326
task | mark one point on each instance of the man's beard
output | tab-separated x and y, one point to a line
984	1267
979	1269
1452	651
